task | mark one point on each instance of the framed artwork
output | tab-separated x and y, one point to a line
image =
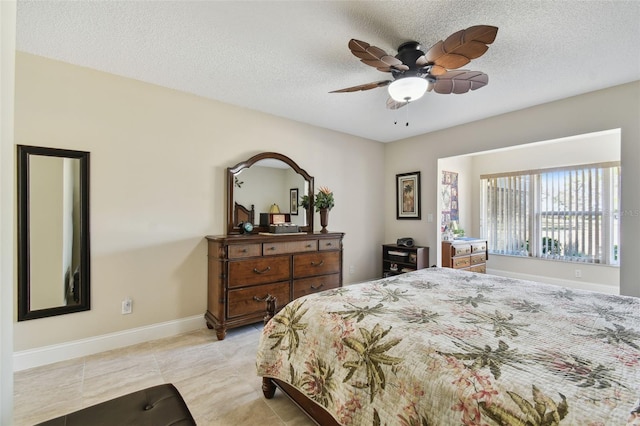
448	198
293	197
408	195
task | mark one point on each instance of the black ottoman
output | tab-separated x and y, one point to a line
154	406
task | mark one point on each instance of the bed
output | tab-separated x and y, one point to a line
445	347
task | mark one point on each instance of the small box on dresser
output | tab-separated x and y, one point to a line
468	254
399	259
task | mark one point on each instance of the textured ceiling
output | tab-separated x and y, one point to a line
284	57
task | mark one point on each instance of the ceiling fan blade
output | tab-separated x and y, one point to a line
460	47
460	81
367	86
437	70
374	56
393	104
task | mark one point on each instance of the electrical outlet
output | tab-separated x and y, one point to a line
352	269
578	273
127	306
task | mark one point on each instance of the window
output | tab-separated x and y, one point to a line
568	214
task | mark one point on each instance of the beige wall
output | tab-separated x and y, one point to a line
158	169
617	107
158	160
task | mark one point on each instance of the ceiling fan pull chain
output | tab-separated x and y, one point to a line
407	123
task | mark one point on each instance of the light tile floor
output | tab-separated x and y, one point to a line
217	380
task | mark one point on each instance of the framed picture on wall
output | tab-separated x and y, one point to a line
293	197
408	195
448	199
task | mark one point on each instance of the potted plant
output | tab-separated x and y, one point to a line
305	201
324	199
324	202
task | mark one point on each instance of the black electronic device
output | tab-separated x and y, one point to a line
405	242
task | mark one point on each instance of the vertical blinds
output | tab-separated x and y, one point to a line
507	202
562	213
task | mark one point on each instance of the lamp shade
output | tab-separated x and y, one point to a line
274	208
408	89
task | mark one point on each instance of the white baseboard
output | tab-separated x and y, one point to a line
582	285
44	355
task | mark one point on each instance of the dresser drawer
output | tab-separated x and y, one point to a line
478	247
258	271
478	258
245	250
460	249
285	247
329	244
251	300
479	268
310	264
304	286
461	262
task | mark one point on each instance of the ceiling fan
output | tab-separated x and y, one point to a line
415	72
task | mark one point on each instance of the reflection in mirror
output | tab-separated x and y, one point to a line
269	182
267	179
53	224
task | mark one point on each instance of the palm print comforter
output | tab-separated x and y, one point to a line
446	347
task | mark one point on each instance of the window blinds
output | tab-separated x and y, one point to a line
566	213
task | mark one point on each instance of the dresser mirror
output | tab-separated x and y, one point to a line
267	183
53	232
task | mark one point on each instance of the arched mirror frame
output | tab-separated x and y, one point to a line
231	173
24	262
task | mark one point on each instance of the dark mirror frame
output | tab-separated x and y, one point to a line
24	290
232	171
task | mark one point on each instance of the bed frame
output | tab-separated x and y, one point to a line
242	214
318	414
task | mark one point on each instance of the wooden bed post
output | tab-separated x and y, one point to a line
271	308
268	387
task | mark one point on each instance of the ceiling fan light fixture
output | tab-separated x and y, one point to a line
408	89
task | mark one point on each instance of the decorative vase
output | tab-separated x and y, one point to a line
324	220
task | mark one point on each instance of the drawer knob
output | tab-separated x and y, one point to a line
329	244
271	248
317	263
244	250
267	269
313	287
308	246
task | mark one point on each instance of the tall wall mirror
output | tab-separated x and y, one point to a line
53	232
254	186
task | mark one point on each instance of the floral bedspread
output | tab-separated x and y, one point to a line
446	347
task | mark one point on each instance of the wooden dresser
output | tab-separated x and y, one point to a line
469	254
245	269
